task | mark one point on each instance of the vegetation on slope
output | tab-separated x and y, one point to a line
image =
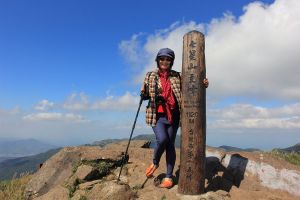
14	189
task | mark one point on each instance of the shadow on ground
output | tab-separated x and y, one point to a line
219	177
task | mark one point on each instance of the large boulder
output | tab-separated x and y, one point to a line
57	193
111	190
60	167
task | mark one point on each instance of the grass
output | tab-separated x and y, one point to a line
14	189
75	166
293	157
72	188
103	167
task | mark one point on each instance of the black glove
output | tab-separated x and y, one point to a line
144	96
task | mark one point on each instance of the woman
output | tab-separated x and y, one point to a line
163	89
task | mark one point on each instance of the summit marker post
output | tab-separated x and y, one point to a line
193	116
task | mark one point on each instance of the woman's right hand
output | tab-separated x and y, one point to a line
143	88
144	95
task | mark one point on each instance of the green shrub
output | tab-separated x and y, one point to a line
291	157
103	166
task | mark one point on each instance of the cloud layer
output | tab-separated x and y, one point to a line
81	102
254	55
54	116
254	117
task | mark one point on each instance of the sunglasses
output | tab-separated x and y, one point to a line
165	59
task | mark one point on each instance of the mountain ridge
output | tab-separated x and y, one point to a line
14	167
237	175
23	147
30	163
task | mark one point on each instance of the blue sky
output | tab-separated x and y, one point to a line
70	71
47	44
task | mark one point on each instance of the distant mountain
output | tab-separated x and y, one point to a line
29	164
149	137
25	147
295	148
230	148
102	143
5	158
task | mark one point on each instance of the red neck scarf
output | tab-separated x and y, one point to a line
167	93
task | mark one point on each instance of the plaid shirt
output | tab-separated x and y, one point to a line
151	80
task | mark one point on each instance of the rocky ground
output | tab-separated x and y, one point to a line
80	173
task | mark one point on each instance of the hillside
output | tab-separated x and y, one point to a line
295	148
148	137
102	143
5	158
230	148
151	137
29	164
90	172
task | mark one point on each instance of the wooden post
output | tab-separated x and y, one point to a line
193	116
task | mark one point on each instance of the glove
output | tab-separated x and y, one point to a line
144	96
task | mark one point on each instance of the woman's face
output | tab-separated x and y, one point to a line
164	63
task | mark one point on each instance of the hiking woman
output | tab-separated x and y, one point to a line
163	89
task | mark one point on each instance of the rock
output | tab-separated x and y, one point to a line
86	172
111	190
67	175
235	168
110	177
57	193
124	173
217	153
146	145
58	168
88	185
79	195
269	176
219	195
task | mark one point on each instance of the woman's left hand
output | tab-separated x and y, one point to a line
205	82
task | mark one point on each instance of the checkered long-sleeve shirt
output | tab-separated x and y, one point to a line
152	84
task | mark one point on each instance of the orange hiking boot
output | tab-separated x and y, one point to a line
150	170
166	183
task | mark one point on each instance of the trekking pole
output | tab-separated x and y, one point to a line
125	156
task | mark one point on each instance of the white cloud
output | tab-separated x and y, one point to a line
68	128
254	55
168	37
124	102
77	102
249	116
131	50
81	102
44	105
258	123
54	116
